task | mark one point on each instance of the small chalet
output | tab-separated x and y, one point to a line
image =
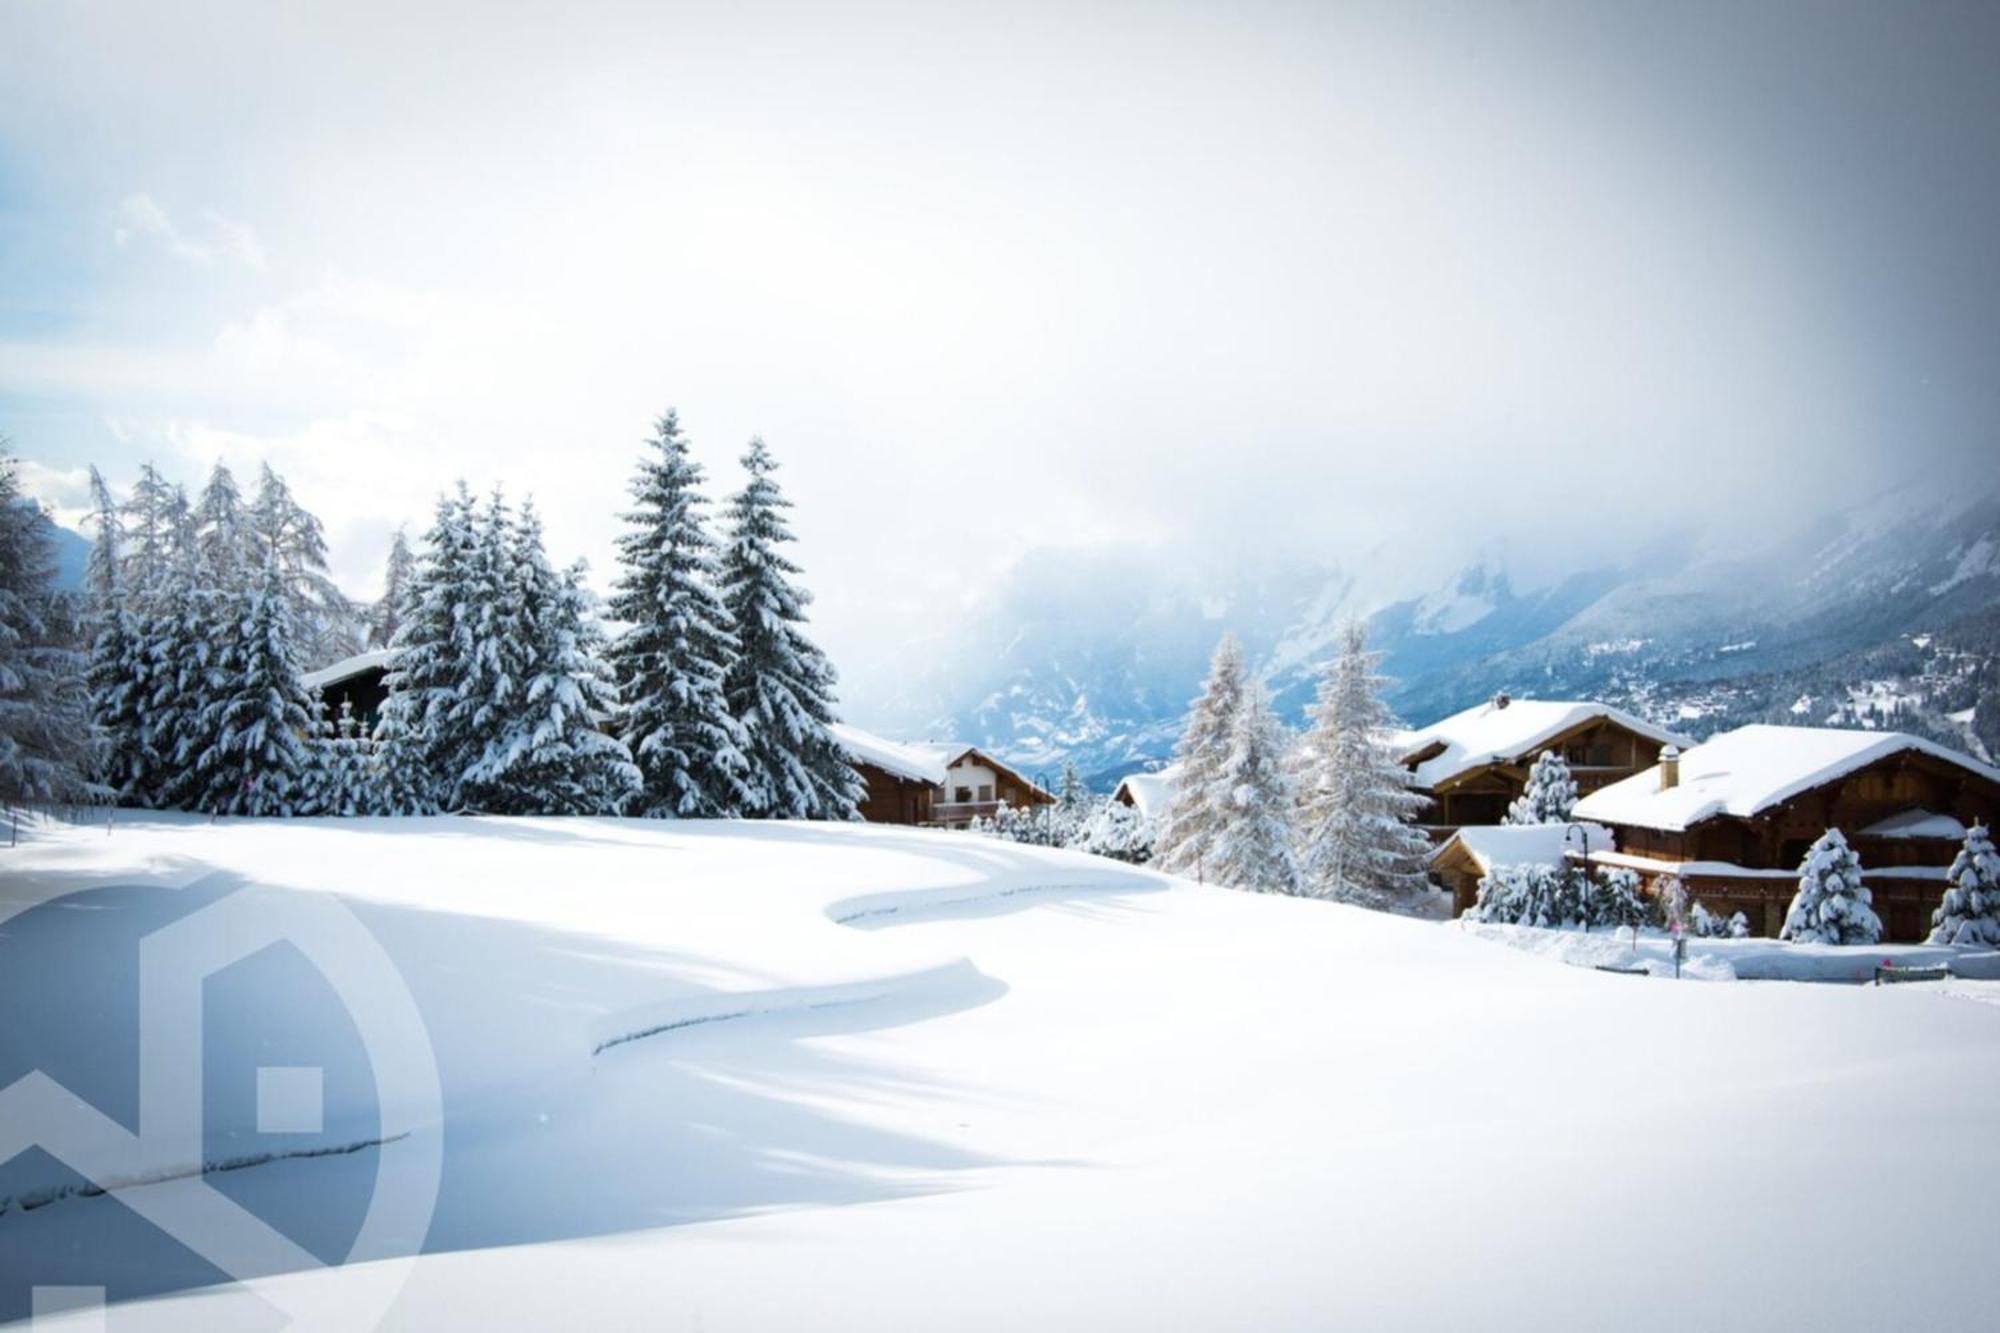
1148	793
358	681
903	780
976	785
1474	764
1734	816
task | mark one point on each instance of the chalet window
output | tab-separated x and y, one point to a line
961	793
985	791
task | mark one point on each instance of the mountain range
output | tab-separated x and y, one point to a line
1887	612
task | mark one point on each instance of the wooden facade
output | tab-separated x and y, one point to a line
1599	752
893	798
1904	874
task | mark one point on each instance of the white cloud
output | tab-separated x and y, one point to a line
140	217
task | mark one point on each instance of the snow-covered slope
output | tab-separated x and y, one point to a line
767	1077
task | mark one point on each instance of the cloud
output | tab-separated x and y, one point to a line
140	217
63	492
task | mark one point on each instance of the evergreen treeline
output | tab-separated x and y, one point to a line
505	693
44	708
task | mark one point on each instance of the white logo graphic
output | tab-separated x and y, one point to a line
165	1156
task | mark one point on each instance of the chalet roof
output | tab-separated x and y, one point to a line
1505	733
1747	771
376	659
1149	793
1492	845
915	763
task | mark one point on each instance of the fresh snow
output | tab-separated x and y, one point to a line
779	1076
1150	792
1524	844
918	763
347	668
1916	823
1751	769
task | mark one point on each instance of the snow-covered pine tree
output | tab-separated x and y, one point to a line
1550	794
45	752
1832	906
321	614
260	717
385	617
1118	831
422	746
1253	847
1356	807
1197	810
780	686
118	676
674	655
1969	913
152	514
222	533
550	757
319	779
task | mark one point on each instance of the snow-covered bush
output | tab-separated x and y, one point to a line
1118	831
1832	906
1708	925
1970	910
1549	796
1559	897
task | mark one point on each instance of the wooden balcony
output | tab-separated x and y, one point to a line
953	813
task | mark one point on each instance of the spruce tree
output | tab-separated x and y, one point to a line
1549	796
118	672
1253	847
780	686
1358	843
259	719
1197	811
1832	906
422	748
549	756
1969	912
673	658
44	699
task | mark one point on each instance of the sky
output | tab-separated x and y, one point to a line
1333	279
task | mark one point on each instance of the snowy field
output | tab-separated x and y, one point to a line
789	1077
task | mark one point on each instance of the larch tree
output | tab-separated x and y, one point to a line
780	686
1969	912
1832	906
674	656
1550	793
1197	811
386	616
283	529
1358	843
1253	848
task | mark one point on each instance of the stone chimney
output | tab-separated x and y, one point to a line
1501	700
1670	768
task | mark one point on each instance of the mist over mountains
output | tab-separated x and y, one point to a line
1881	614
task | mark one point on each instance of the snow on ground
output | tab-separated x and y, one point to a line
1753	959
776	1077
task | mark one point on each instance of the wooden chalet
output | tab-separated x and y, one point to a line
1474	764
976	785
903	780
1472	852
1735	815
358	682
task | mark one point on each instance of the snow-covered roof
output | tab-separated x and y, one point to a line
917	763
1654	865
348	667
1505	733
1916	823
949	753
1150	792
1492	845
1747	771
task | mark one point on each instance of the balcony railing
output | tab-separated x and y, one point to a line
960	812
